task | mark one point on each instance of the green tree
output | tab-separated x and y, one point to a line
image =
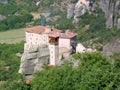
94	72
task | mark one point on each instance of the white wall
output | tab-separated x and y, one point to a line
64	42
80	48
36	39
54	54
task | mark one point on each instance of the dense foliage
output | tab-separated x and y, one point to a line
16	7
62	23
74	1
10	79
9	61
15	22
93	73
17	14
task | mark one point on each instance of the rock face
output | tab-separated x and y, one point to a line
70	10
118	26
4	1
112	12
111	8
33	59
77	10
2	17
112	47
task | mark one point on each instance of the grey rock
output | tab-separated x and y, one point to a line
43	51
2	17
111	10
28	70
30	56
118	25
70	10
76	10
112	47
33	59
76	20
27	63
40	63
33	49
4	1
79	11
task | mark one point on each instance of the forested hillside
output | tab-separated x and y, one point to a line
94	72
91	25
95	27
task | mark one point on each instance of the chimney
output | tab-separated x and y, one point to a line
67	32
52	27
48	29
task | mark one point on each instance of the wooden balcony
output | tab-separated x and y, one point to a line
53	40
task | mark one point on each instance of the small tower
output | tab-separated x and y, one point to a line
54	49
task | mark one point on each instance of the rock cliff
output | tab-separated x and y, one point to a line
4	1
112	47
111	8
33	59
78	9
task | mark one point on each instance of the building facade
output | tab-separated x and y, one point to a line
54	38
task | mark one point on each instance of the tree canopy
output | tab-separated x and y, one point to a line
94	72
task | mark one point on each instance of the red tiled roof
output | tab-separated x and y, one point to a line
54	32
40	29
68	34
36	29
57	30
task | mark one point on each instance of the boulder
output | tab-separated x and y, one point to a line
80	48
2	17
4	1
30	56
112	47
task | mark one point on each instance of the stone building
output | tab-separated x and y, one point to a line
45	45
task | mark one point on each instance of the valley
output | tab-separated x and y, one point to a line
97	24
12	36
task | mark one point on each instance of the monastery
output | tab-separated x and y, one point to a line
54	38
47	45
